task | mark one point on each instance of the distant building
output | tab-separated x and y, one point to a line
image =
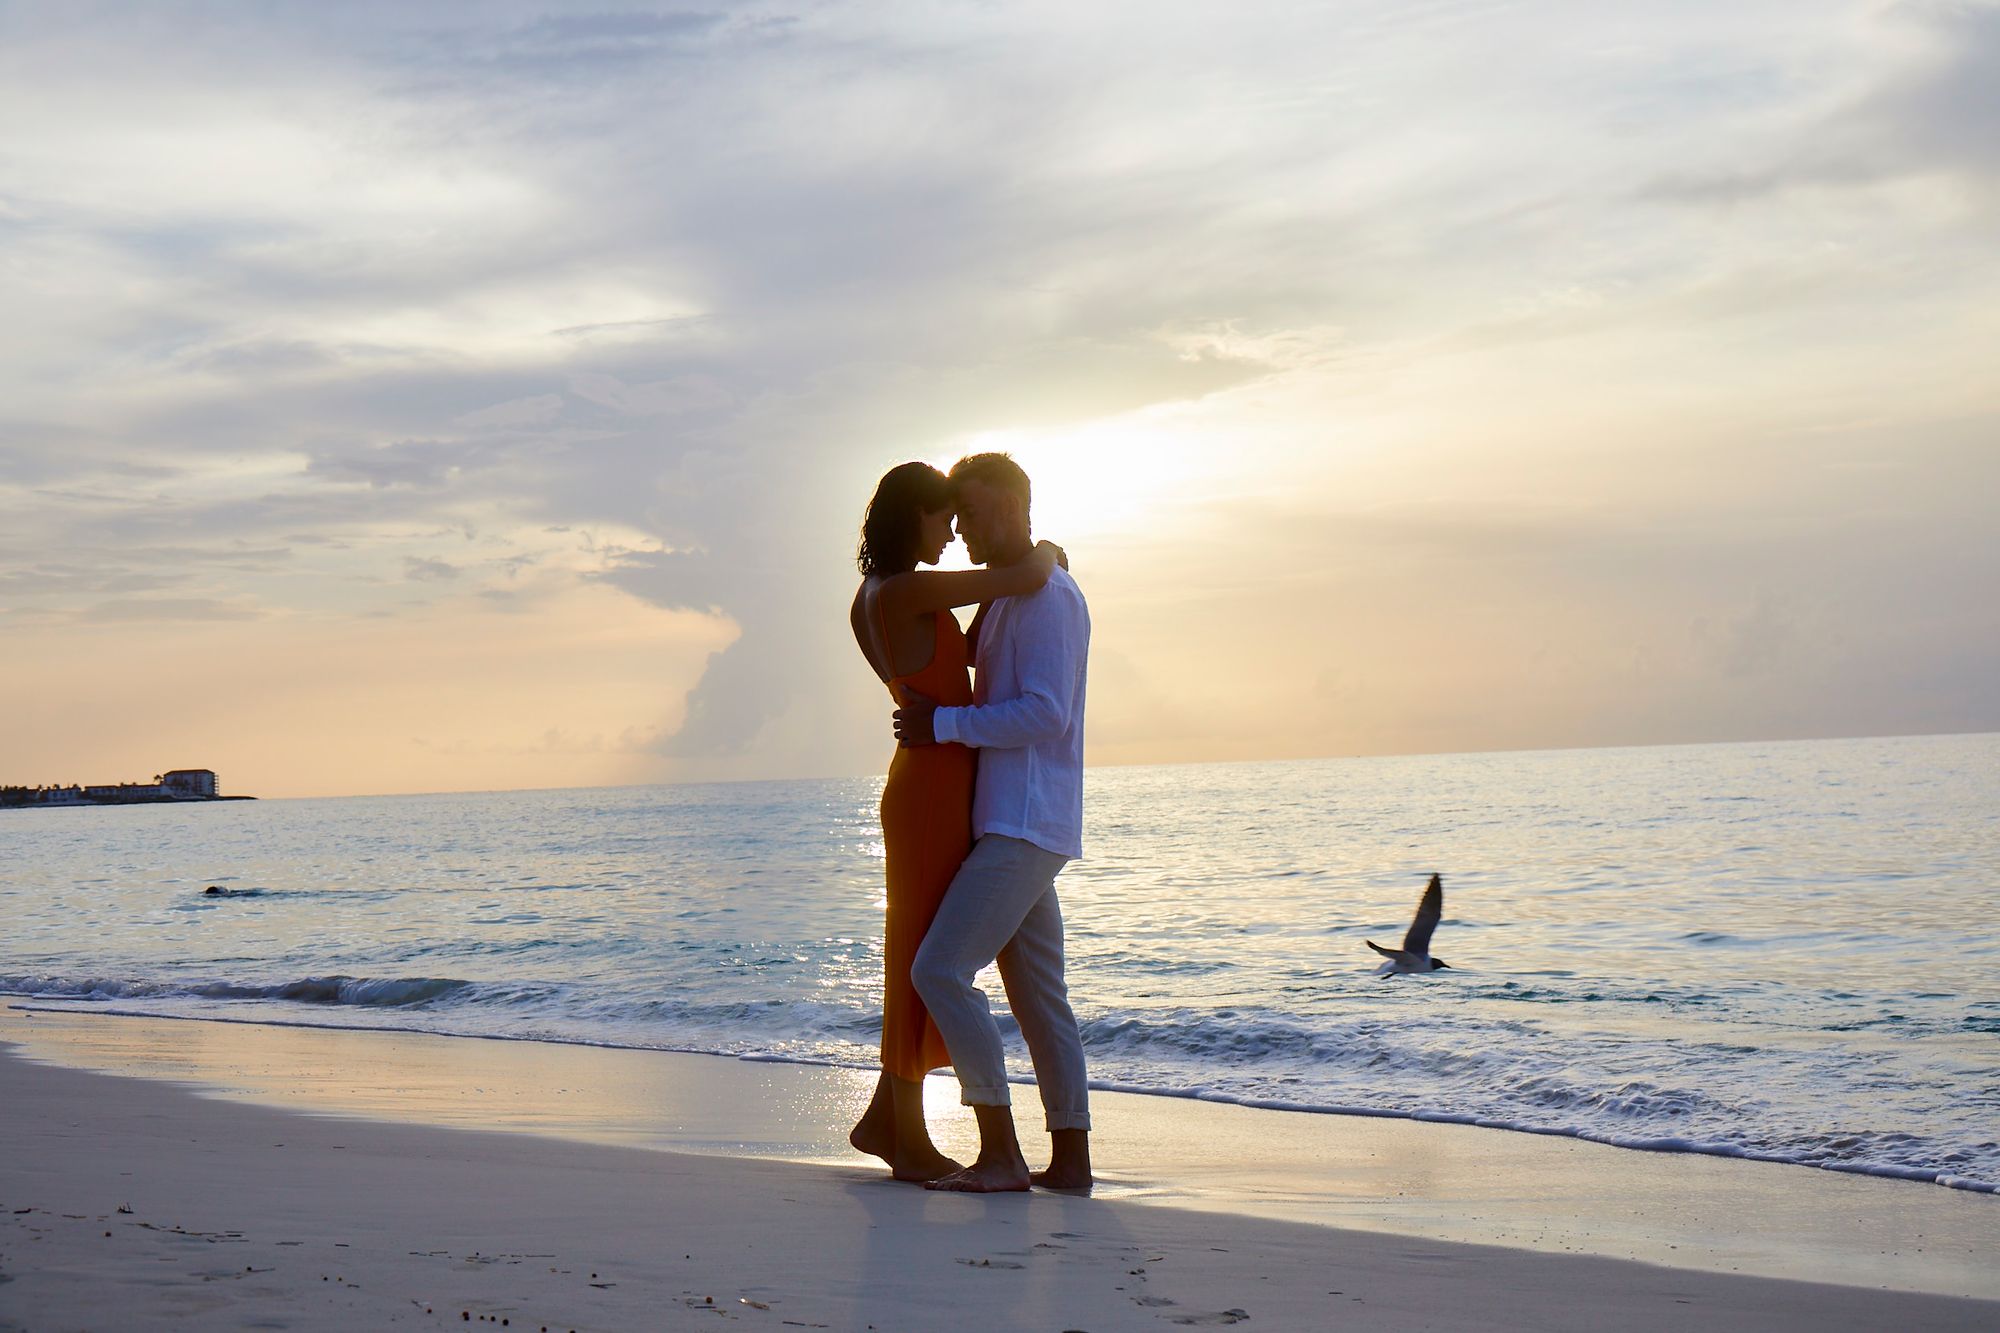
185	782
125	793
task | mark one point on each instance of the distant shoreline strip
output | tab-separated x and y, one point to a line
1639	1143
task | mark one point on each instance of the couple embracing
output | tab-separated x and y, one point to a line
983	806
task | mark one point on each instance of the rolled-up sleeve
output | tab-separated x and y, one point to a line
1049	641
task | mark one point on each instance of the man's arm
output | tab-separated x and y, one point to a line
1051	635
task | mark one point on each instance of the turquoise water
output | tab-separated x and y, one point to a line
1785	951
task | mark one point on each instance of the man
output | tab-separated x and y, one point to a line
1026	721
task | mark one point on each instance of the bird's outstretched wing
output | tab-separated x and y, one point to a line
1386	953
1428	911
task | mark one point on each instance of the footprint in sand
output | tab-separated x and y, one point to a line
1219	1317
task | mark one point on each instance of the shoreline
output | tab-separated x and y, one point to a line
133	1203
26	1002
136	800
1384	1177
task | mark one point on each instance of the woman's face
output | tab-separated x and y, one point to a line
933	535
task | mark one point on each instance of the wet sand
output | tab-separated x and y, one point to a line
636	1190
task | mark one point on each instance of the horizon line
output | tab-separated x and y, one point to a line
1151	763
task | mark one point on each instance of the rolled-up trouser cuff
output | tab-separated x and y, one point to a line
971	1096
1068	1120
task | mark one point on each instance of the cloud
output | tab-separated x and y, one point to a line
321	308
515	414
263	357
70	582
673	397
1765	638
426	463
1932	107
1945	108
574	46
168	608
419	570
673	580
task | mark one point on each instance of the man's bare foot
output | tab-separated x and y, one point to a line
1063	1176
1069	1161
985	1178
925	1164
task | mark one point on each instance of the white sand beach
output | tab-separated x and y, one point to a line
334	1180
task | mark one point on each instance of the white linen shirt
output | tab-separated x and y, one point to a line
1026	717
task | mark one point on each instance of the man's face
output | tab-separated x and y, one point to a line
983	513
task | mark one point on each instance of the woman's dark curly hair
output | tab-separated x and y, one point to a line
893	524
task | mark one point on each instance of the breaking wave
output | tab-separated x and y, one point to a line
1442	1075
373	992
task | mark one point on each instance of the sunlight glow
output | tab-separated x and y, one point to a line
1101	480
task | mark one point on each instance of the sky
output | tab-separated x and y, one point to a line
479	396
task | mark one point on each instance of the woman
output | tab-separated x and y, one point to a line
903	623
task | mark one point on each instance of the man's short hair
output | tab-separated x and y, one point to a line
999	471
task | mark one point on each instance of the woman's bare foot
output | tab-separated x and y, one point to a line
875	1135
875	1132
923	1164
982	1177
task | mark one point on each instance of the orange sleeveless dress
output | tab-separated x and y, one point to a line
927	831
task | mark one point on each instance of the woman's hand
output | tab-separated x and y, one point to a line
1052	552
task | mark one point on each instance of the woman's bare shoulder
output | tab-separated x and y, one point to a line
860	615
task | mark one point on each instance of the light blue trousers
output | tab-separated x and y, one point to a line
1002	907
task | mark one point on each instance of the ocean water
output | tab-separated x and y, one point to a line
1780	951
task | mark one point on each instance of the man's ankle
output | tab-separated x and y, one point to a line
998	1143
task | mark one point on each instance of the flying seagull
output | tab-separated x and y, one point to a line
1415	955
